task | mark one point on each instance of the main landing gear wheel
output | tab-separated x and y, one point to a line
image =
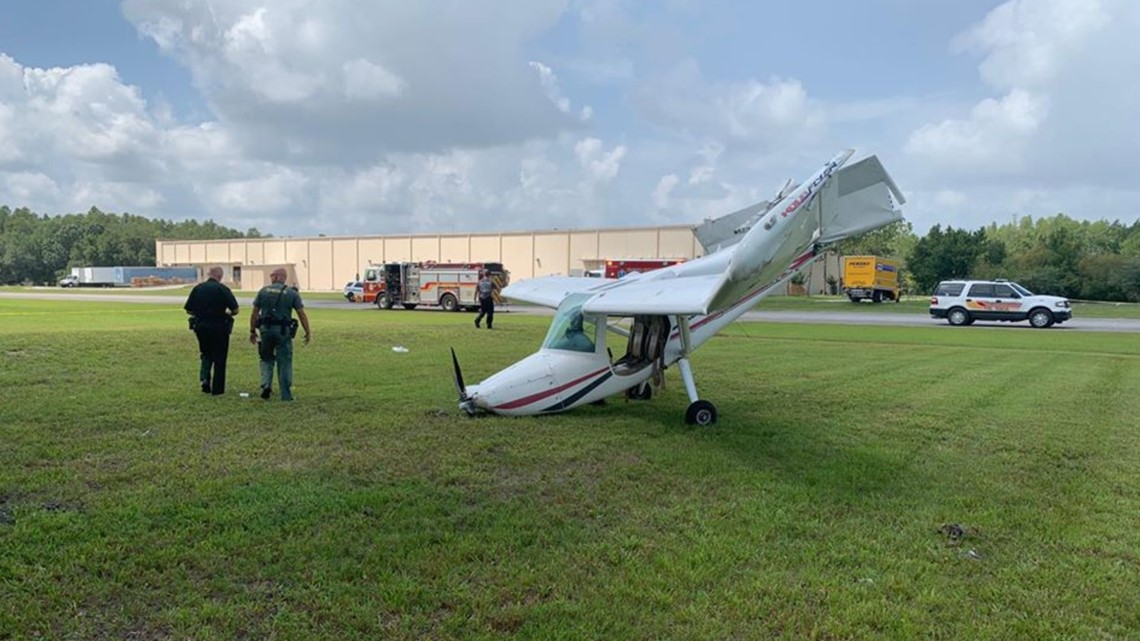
700	413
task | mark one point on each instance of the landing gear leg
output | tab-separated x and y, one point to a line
699	412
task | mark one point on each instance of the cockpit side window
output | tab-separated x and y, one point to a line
571	330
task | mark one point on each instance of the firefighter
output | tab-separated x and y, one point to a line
486	292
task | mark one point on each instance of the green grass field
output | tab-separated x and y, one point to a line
132	506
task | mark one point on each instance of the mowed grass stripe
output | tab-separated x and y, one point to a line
372	508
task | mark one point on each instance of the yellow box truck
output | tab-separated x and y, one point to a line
872	278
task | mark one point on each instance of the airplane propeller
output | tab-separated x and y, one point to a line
464	400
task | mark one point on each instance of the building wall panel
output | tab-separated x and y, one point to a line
274	253
397	249
371	251
297	254
519	255
346	261
425	248
237	252
485	249
628	243
197	253
454	249
321	265
551	253
217	252
677	243
583	249
255	252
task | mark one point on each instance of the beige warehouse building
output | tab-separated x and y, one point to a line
326	263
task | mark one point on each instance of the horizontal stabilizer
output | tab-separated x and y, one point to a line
723	232
861	198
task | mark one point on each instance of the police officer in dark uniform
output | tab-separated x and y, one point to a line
212	308
272	316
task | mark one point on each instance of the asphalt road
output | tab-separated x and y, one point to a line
837	318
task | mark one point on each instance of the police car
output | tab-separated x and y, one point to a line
354	290
961	302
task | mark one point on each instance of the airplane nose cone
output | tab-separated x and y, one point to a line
526	378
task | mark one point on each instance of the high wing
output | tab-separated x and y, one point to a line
549	291
668	296
657	292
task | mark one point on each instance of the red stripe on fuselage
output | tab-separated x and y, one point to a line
534	398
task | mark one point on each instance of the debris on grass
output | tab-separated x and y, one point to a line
953	532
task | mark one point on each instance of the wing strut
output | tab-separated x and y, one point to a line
699	412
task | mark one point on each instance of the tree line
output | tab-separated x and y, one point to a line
1085	260
38	248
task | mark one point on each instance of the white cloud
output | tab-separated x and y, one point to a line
340	81
1029	43
994	139
663	189
1064	119
366	80
114	196
29	187
276	190
601	166
750	113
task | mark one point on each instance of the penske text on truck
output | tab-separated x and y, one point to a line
872	278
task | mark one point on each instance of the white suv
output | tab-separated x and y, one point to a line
961	302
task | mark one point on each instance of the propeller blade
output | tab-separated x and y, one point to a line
458	377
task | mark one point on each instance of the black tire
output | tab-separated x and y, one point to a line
351	297
384	301
1041	318
448	303
854	299
877	297
958	317
409	306
640	392
700	413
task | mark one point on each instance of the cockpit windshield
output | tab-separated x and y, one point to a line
570	330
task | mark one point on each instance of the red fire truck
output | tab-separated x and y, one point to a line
621	267
447	285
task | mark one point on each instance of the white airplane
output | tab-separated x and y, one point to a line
676	309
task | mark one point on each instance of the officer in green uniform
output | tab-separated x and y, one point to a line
272	317
212	307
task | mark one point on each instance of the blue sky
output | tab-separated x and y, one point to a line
338	117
